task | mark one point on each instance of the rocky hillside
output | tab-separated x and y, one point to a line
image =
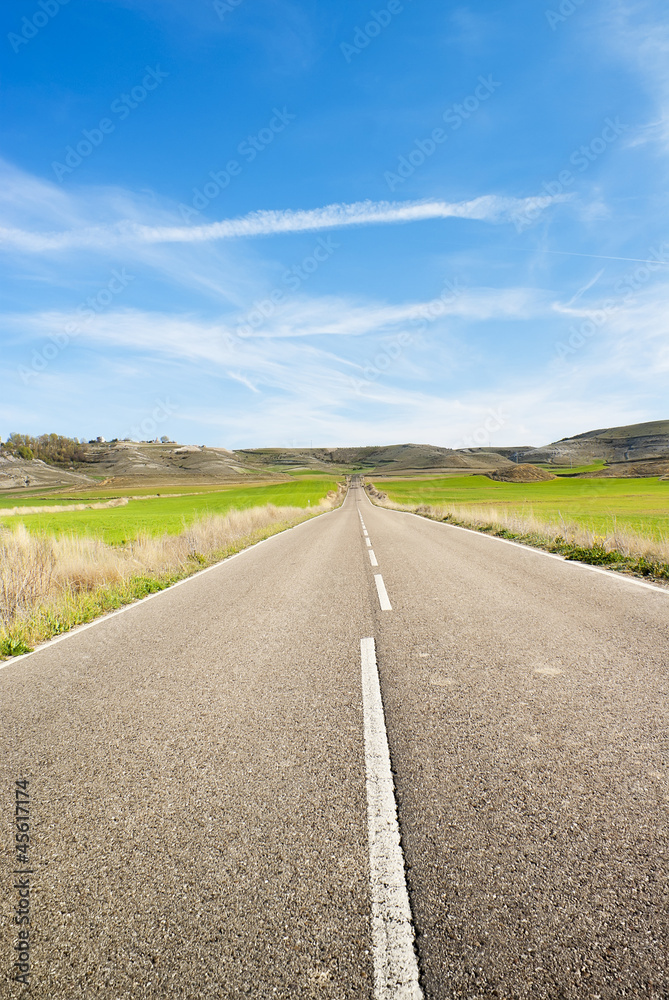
632	443
22	473
384	459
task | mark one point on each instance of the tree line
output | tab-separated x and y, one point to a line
52	448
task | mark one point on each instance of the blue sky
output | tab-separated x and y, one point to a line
262	222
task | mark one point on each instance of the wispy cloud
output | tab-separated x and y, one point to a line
641	34
296	385
488	208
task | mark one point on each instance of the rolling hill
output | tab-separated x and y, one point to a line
631	443
396	458
638	450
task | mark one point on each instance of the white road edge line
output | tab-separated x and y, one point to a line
372	558
135	604
530	548
395	962
382	592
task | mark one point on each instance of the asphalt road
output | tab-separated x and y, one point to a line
199	779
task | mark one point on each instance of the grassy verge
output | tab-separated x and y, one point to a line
49	585
622	550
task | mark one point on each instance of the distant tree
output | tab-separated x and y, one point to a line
51	448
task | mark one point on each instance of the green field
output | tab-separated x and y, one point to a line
601	504
160	514
571	470
61	496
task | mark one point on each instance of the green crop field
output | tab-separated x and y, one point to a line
161	514
571	470
56	497
601	504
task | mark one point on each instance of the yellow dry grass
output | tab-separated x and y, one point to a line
628	543
48	584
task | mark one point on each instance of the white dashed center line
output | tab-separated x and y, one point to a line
395	964
367	540
382	592
372	558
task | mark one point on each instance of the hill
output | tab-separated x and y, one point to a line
631	443
127	458
123	464
636	450
20	473
382	460
521	474
631	450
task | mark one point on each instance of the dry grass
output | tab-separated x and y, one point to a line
624	550
48	585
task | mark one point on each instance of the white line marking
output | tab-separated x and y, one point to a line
372	558
382	592
395	963
369	542
365	533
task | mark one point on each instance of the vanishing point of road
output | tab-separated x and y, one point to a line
374	757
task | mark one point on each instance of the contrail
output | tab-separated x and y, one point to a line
594	256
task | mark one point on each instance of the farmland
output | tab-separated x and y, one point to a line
604	505
157	515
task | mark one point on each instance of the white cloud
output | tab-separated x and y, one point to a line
641	34
488	208
284	380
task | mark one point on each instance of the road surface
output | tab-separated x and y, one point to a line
211	807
